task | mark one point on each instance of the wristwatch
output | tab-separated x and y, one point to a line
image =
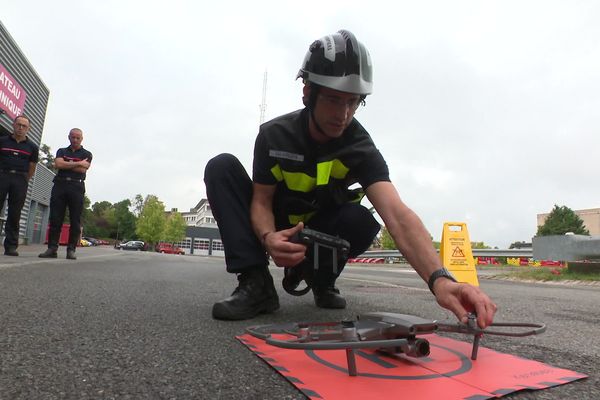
440	273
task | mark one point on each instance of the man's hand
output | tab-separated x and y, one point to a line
284	252
83	164
462	298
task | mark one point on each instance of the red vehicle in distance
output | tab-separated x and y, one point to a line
168	248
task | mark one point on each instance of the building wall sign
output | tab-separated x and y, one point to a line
12	95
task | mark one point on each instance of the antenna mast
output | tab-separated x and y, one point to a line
263	105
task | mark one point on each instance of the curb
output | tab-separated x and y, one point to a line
556	283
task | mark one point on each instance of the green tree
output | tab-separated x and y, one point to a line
387	243
99	220
560	221
479	245
125	221
46	157
175	228
86	215
151	223
99	208
138	205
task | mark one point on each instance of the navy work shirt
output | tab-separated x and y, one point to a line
17	155
69	155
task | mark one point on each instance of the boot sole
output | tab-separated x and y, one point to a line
223	312
331	306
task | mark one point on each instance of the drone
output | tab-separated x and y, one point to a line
388	333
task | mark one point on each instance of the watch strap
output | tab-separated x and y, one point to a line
440	273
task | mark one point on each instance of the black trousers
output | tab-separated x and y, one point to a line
66	194
229	192
15	187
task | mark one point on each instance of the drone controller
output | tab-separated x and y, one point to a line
294	275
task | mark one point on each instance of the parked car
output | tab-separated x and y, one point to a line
85	243
133	245
168	248
93	241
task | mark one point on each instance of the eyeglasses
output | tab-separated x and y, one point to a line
334	101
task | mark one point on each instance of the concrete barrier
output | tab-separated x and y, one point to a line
566	247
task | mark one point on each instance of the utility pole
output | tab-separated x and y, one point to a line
263	105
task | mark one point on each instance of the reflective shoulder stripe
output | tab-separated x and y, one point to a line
334	168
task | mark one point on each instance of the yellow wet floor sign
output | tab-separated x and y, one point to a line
456	253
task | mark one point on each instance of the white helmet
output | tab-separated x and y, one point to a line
339	62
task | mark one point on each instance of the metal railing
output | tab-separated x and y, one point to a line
527	252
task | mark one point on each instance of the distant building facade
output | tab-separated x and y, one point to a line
39	206
23	92
200	215
202	233
590	217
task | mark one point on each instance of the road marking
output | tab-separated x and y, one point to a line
386	284
52	260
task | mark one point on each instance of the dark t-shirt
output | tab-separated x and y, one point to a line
17	156
69	155
311	176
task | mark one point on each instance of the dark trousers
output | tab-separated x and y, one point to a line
229	192
66	194
15	187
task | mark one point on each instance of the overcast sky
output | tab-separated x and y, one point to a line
487	112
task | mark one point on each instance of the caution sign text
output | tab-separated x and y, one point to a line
456	253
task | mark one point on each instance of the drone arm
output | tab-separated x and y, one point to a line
469	330
336	345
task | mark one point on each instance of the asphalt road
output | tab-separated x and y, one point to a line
136	325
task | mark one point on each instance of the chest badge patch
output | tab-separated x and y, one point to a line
286	155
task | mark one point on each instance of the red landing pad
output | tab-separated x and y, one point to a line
448	372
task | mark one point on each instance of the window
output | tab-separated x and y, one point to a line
201	244
217	245
185	244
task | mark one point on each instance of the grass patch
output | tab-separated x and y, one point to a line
550	274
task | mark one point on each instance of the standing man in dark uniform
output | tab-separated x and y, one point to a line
72	164
18	158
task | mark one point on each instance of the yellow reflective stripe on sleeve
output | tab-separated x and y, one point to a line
334	168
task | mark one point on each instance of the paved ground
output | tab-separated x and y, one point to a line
135	325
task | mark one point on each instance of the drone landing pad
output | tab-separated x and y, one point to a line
448	373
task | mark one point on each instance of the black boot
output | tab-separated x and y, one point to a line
49	253
71	254
254	295
328	296
11	251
